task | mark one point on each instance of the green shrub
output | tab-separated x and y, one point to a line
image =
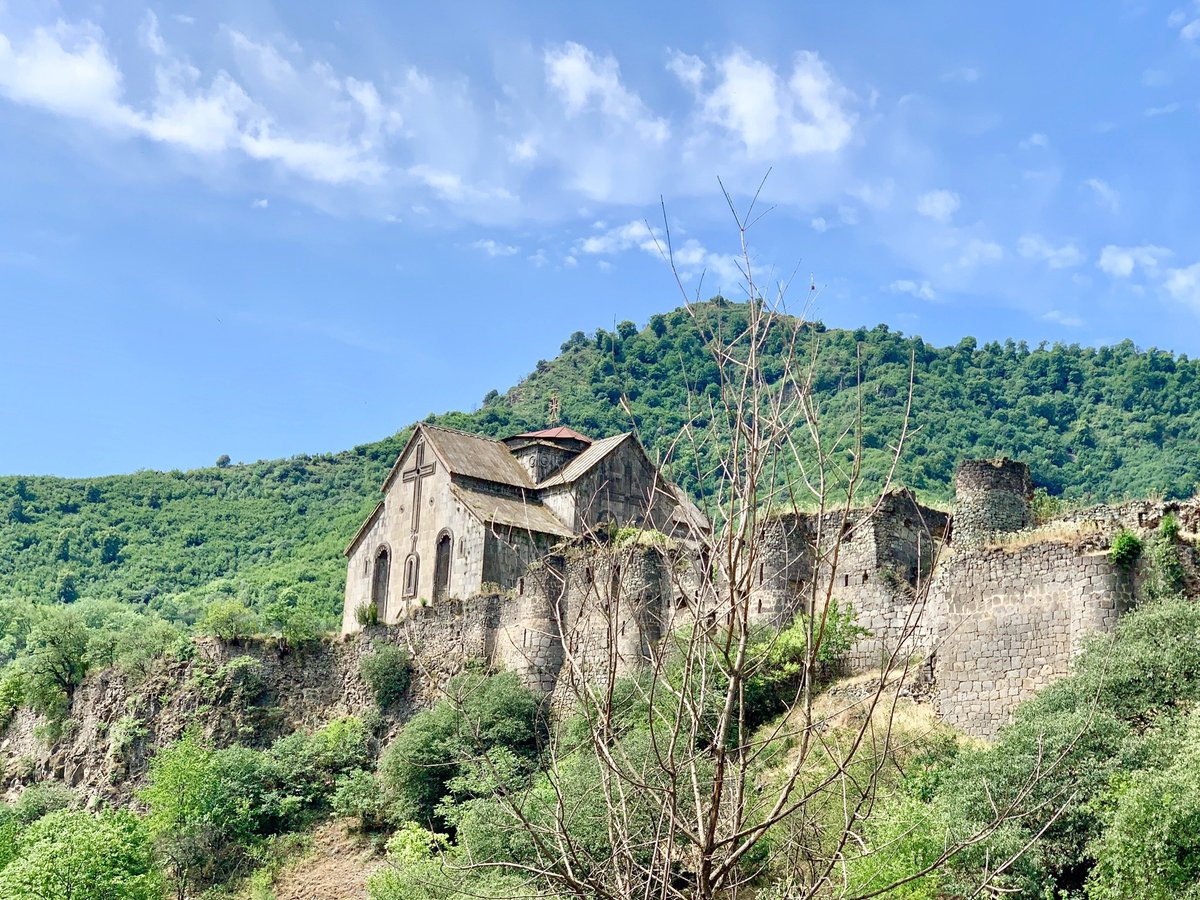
1125	550
1151	845
229	620
359	795
388	673
1164	570
76	855
366	614
482	715
12	695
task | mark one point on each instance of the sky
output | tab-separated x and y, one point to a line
265	229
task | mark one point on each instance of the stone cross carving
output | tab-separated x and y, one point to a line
418	473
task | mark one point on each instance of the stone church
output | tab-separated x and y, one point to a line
462	513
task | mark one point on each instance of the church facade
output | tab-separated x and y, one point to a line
462	513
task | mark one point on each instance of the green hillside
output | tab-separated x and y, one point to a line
1093	423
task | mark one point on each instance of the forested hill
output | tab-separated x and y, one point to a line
1091	422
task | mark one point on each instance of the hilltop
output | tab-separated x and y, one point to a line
1093	423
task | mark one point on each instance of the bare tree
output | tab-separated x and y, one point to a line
664	785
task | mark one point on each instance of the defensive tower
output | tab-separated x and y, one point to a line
992	496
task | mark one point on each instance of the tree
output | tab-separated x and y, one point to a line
56	659
223	461
76	855
662	785
204	810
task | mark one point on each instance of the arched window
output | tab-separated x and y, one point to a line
412	574
379	582
441	565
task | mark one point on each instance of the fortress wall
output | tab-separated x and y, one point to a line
445	637
1009	621
992	496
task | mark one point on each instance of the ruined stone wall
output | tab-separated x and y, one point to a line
1009	622
992	496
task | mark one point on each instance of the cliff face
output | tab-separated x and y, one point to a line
248	693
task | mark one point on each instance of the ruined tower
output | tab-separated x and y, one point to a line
992	496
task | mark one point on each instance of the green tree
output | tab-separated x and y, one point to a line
75	855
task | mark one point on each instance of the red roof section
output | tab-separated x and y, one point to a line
560	432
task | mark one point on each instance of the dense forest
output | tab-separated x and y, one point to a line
1092	422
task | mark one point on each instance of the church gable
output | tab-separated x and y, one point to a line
460	510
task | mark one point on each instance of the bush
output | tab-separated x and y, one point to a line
230	620
482	715
366	614
359	795
1125	550
388	673
1151	847
296	621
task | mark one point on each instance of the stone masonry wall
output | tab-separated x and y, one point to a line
1009	622
992	496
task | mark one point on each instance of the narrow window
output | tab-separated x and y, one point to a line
412	574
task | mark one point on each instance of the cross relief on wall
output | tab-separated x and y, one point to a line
417	474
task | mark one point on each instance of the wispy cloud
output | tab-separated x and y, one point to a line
964	75
1036	247
922	290
495	248
1104	193
940	205
1121	262
1061	318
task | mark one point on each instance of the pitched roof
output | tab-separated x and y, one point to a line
363	528
470	455
585	461
560	433
510	511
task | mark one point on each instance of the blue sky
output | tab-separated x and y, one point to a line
263	229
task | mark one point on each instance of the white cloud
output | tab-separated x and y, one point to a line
260	203
1106	195
691	258
585	82
921	290
1166	110
494	248
819	224
938	205
620	238
1190	31
1184	284
67	70
1036	247
769	117
1037	139
966	74
539	259
1120	262
1061	318
687	68
977	252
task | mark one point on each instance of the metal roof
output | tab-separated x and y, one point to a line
585	461
510	511
469	455
561	432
